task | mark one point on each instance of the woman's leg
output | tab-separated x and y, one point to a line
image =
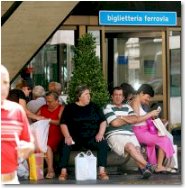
102	150
49	160
152	141
65	155
161	156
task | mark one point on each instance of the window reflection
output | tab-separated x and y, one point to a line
138	61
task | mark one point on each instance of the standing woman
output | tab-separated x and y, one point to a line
52	110
144	136
84	123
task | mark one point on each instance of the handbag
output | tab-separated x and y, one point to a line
162	131
85	166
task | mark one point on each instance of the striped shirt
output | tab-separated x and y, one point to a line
111	112
13	120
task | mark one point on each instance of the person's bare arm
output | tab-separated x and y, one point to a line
29	114
100	134
66	134
152	114
123	120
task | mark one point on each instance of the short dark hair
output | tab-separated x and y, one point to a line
117	88
146	89
79	90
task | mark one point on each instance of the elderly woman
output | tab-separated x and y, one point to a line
38	94
52	110
84	123
145	136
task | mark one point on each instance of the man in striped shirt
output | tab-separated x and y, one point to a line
119	133
16	139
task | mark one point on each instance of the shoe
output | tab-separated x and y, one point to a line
63	176
50	175
146	173
171	170
103	176
166	171
151	167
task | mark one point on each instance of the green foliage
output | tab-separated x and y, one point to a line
87	70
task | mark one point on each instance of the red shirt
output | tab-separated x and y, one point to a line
13	120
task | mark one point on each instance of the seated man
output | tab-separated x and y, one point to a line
119	133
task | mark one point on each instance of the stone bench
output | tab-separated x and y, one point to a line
115	163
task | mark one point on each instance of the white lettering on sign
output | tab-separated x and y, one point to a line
156	19
127	18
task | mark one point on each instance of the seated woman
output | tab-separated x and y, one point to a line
84	123
144	136
19	95
53	111
38	94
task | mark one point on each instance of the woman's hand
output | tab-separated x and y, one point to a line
69	140
99	137
154	113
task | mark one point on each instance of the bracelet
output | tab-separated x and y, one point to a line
68	137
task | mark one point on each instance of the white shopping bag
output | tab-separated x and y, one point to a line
85	166
173	161
92	162
162	131
40	131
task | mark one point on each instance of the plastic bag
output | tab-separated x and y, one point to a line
36	162
86	166
23	170
40	128
173	161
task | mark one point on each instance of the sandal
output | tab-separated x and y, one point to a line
171	170
166	171
103	176
63	176
50	175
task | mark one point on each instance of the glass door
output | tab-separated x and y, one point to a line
138	58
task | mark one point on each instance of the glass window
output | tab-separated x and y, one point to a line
54	61
96	34
138	60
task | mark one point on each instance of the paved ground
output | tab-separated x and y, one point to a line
125	179
128	178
